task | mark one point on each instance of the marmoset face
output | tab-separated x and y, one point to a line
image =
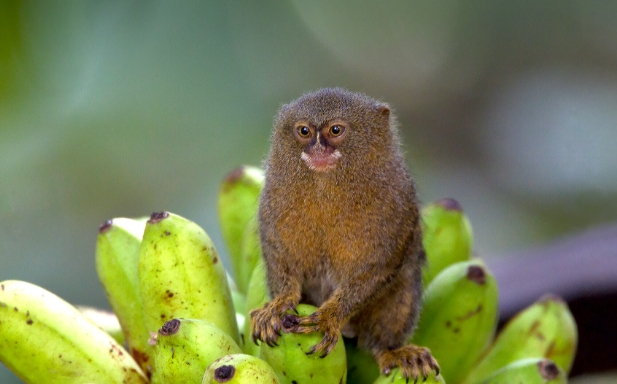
320	143
332	129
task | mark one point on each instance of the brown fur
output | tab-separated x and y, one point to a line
348	239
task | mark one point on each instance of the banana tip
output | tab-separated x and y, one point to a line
476	274
548	370
105	226
235	175
224	373
551	297
450	204
157	217
170	327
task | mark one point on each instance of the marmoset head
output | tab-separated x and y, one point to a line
327	128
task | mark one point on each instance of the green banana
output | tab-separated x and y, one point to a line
241	319
117	259
361	365
250	252
546	329
291	363
44	339
239	369
459	317
105	320
446	235
181	275
237	205
528	371
258	295
395	377
185	347
239	301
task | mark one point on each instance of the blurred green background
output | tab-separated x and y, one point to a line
122	108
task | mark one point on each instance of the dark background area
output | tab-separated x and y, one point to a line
121	108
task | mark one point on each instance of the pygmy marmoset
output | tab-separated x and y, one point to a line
340	229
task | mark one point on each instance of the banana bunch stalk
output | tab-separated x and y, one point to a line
44	339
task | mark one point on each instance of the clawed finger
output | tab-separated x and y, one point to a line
325	346
310	320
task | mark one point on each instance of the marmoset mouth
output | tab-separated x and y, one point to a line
320	161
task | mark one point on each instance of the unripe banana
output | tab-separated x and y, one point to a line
395	377
250	252
239	301
459	317
446	235
44	339
105	320
241	319
361	365
181	275
292	364
528	371
546	329
237	206
117	260
185	347
258	295
239	369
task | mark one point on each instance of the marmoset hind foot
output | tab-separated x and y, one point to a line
415	362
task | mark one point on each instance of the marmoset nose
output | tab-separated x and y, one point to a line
320	143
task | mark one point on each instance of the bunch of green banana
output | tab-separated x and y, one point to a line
44	339
447	236
117	258
239	369
545	329
237	206
528	371
166	274
292	364
183	349
459	317
181	275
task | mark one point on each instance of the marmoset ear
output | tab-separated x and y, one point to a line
383	110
